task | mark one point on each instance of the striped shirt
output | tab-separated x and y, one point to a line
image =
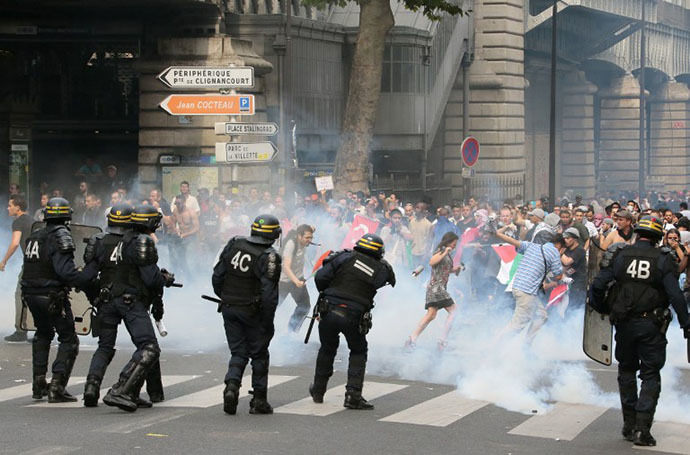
530	273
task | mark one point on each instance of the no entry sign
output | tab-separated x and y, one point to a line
470	151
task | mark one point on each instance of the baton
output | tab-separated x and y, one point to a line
214	300
211	299
688	342
176	285
314	316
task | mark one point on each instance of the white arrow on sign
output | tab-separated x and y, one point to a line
208	77
245	152
260	129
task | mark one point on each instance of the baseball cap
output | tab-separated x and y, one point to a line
572	232
624	214
539	213
608	221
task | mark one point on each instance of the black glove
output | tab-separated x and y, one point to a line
168	277
157	310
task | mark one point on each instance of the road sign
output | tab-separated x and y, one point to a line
207	77
261	129
245	152
468	172
209	104
470	151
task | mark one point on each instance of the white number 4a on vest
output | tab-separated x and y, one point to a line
32	250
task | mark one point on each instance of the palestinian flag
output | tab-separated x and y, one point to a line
469	236
510	260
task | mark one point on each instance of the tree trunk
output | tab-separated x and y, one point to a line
352	161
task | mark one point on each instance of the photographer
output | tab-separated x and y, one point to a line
396	236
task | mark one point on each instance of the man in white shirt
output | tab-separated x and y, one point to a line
189	201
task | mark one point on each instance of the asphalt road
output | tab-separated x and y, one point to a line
411	417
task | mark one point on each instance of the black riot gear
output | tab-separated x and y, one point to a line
265	230
644	281
49	272
348	282
355	282
639	287
146	218
120	215
246	279
372	245
241	286
57	210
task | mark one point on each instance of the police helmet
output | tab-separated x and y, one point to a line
371	244
120	215
146	218
265	230
57	210
650	227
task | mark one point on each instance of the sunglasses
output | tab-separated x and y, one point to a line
674	238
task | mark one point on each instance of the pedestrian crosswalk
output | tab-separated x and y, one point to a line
189	394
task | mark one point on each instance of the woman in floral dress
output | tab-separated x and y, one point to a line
437	297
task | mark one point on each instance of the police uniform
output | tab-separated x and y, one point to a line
645	280
348	282
136	277
49	272
246	280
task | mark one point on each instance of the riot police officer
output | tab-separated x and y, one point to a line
348	282
136	277
49	272
644	282
100	258
246	280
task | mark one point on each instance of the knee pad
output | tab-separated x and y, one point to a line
150	353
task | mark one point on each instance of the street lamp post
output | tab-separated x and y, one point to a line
643	64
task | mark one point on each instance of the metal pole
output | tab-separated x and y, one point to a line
552	125
465	115
288	87
643	62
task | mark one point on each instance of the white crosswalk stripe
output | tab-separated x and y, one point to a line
24	390
168	380
670	437
333	400
565	421
438	412
214	396
51	450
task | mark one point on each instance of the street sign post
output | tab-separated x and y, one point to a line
209	104
245	152
259	129
470	151
200	77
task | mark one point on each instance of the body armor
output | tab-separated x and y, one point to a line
111	254
127	279
241	286
38	264
355	280
639	283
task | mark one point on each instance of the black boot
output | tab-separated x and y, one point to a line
57	392
259	405
142	402
643	423
92	391
154	384
355	400
318	389
231	395
123	394
39	387
628	430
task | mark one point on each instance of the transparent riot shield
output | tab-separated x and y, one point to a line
81	308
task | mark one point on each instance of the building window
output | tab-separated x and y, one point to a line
402	72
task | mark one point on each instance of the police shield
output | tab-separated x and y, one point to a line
597	339
81	308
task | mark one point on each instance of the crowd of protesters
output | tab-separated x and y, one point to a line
417	234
